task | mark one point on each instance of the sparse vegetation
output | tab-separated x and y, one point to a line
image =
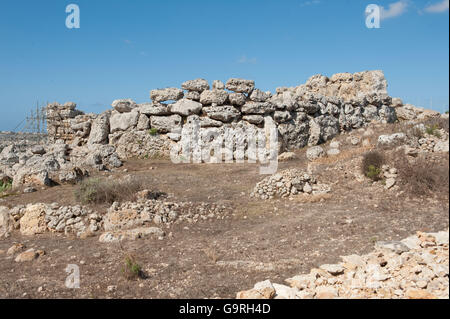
371	165
211	253
433	130
153	131
107	191
437	123
422	177
5	185
131	269
415	132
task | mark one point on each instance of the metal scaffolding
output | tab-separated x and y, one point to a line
36	122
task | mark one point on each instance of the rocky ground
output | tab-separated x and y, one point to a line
207	237
415	267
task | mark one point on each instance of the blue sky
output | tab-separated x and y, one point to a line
124	49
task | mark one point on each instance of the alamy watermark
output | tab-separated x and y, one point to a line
373	16
73	19
227	145
73	279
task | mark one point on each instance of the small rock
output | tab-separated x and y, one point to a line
334	269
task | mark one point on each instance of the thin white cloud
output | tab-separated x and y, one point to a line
244	60
127	41
438	7
394	10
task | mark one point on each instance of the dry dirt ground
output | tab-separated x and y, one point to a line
261	240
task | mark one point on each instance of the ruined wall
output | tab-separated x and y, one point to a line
309	114
61	120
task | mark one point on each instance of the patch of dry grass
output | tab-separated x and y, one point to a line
105	190
309	199
423	177
343	155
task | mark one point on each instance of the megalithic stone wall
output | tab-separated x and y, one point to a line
309	114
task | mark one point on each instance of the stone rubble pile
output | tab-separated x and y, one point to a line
390	177
415	268
288	183
39	218
50	164
418	139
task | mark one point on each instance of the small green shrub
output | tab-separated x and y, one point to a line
4	186
433	130
131	269
437	123
153	131
371	165
373	173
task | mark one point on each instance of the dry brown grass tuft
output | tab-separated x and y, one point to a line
309	199
212	254
423	177
103	190
343	155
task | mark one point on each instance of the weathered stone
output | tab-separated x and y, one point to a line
240	85
333	269
132	234
257	108
254	119
261	290
314	153
186	107
282	116
33	220
165	124
217	97
159	109
259	96
441	146
295	133
143	122
390	182
168	94
121	220
218	85
28	255
286	156
395	246
99	130
123	121
419	294
6	225
391	140
198	85
124	106
14	249
225	113
324	292
397	102
237	99
192	95
38	149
